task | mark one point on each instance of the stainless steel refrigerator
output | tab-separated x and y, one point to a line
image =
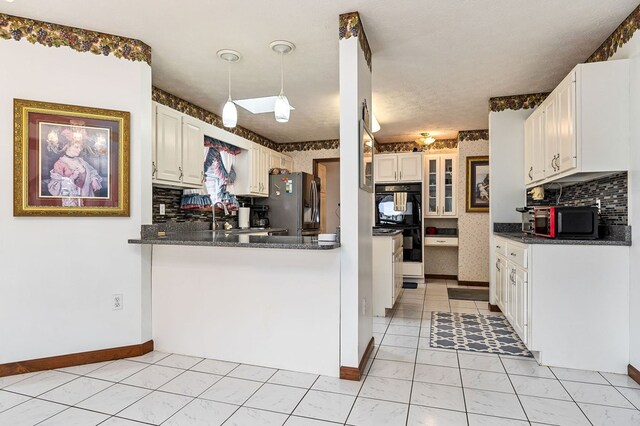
294	203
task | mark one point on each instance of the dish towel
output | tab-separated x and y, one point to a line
399	201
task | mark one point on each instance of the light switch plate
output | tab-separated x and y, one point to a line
162	209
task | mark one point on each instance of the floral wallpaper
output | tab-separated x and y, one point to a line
473	228
516	102
618	38
55	35
350	25
303	160
309	146
185	107
473	135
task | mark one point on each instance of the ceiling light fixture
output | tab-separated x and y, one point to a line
375	126
426	139
282	109
229	111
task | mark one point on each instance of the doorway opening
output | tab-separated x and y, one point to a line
328	171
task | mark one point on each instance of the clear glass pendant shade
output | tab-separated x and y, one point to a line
229	114
282	109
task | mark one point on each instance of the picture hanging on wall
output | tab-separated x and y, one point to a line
477	184
367	150
70	160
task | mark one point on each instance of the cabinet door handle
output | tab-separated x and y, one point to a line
498	266
154	169
513	254
400	174
395	175
499	247
202	177
440	241
530	171
181	173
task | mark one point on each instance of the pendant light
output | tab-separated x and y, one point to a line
229	111
282	109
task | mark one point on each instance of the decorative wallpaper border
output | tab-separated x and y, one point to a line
56	35
409	146
516	102
618	38
185	107
350	25
309	146
473	135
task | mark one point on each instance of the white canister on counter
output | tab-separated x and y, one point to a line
243	217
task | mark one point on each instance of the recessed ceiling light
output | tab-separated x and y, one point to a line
259	105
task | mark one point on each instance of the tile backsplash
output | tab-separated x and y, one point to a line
171	197
611	190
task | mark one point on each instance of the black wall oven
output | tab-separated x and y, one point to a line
399	206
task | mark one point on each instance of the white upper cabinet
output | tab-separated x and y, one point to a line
192	152
178	149
441	185
582	129
405	167
168	145
252	171
410	167
386	167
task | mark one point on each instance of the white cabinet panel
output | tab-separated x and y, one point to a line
551	137
520	303
386	168
387	272
566	123
192	152
410	167
168	143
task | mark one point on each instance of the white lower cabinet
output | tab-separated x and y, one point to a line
568	303
387	272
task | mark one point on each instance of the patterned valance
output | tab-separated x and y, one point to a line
618	38
350	25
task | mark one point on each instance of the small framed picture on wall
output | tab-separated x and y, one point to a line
478	184
70	160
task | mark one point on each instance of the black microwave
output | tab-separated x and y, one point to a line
576	223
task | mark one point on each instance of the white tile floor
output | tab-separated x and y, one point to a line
407	383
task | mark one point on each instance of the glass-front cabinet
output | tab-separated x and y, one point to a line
441	185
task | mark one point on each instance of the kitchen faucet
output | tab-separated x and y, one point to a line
213	211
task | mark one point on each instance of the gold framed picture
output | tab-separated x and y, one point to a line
477	184
70	160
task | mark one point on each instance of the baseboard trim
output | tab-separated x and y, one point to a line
634	373
352	373
441	277
494	308
70	360
474	283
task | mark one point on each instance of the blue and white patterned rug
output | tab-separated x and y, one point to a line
476	333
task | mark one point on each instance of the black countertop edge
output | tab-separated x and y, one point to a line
376	233
151	231
523	238
273	244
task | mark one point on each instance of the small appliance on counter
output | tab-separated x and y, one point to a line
571	223
259	216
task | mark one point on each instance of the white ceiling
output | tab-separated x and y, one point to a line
435	62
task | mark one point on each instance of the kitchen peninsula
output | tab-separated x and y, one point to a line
272	301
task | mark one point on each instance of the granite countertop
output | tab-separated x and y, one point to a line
616	235
385	232
219	239
249	230
523	238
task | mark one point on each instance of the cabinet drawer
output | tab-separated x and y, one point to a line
517	255
441	241
500	246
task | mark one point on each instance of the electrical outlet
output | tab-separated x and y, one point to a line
599	204
162	209
364	306
117	302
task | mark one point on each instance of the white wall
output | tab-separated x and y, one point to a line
303	160
356	326
506	154
332	188
632	50
473	228
58	274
